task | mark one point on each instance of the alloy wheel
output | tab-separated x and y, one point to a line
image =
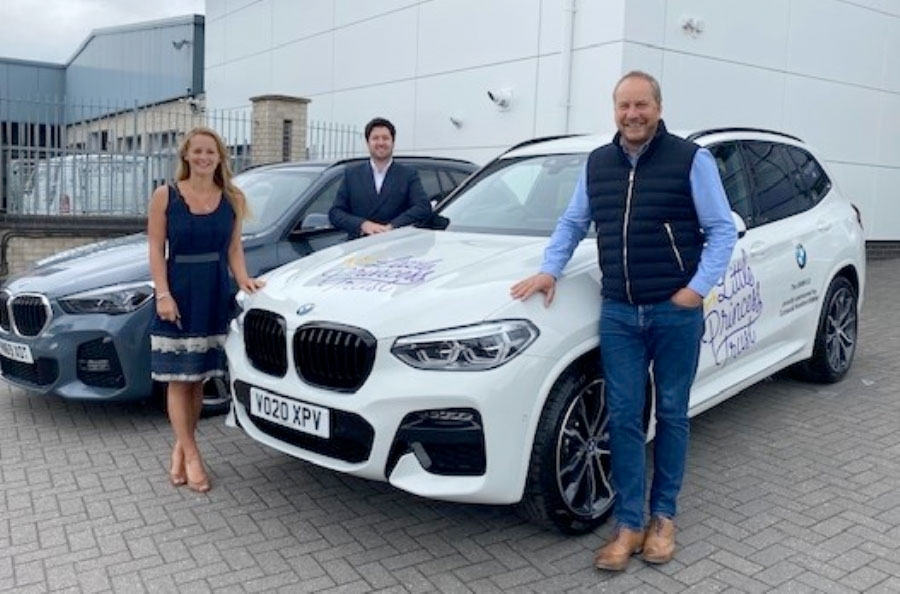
582	454
840	330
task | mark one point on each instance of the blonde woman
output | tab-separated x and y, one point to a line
199	216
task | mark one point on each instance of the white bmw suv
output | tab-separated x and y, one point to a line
401	357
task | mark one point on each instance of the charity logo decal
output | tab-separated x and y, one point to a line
378	274
733	308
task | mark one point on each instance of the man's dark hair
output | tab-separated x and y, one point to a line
375	122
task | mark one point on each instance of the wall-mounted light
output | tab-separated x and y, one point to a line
692	26
180	44
502	98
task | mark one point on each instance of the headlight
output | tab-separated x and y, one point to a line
470	348
116	299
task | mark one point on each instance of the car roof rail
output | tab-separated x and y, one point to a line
343	160
709	131
403	157
525	143
531	141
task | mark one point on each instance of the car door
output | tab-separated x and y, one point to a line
733	308
311	231
777	250
817	237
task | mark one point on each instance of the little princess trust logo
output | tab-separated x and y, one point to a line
380	275
736	307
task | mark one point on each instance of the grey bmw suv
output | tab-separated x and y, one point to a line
76	325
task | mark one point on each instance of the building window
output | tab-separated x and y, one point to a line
287	129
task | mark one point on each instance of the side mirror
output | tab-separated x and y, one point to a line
315	220
739	224
435	199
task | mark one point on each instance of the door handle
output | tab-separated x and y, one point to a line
757	249
824	225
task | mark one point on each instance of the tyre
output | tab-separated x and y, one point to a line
216	397
835	341
568	484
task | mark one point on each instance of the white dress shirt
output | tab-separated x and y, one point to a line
379	175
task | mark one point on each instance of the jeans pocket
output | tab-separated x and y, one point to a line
685	308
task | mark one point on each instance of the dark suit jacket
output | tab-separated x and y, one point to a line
402	201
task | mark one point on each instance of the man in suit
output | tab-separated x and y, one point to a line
379	195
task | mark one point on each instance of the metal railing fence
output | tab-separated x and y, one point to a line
63	157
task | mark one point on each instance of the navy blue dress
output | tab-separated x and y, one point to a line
197	268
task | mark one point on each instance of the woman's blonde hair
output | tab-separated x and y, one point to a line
221	177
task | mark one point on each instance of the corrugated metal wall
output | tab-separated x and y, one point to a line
144	65
21	79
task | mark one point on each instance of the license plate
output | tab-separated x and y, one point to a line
16	351
290	413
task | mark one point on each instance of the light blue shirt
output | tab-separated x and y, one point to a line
713	212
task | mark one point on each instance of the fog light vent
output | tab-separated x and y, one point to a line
98	364
448	441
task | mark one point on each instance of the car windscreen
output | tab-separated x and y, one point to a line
520	196
271	192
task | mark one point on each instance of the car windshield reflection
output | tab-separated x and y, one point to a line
270	193
523	196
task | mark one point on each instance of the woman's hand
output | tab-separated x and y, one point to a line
167	309
251	285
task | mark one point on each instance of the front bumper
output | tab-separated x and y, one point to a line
86	357
457	436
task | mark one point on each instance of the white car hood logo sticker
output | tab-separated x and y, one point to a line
382	274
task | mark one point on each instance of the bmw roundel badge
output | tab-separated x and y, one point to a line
800	254
305	309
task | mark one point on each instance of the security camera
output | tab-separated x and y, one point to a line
501	97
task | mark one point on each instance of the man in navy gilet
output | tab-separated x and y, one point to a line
664	237
379	195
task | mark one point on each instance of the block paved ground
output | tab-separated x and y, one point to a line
790	488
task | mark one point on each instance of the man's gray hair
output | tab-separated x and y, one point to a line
654	84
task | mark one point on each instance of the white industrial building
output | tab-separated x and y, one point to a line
827	71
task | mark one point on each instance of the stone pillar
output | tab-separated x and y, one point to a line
279	129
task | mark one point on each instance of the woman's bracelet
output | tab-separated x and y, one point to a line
163	295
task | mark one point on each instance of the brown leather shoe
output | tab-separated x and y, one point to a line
615	554
659	546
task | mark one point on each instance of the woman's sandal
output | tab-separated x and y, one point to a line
201	486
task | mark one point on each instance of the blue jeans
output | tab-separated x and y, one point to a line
631	338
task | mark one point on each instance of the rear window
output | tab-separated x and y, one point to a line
773	181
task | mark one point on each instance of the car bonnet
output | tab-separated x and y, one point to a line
405	281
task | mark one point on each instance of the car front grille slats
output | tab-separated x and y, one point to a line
334	356
4	311
30	314
326	355
265	341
